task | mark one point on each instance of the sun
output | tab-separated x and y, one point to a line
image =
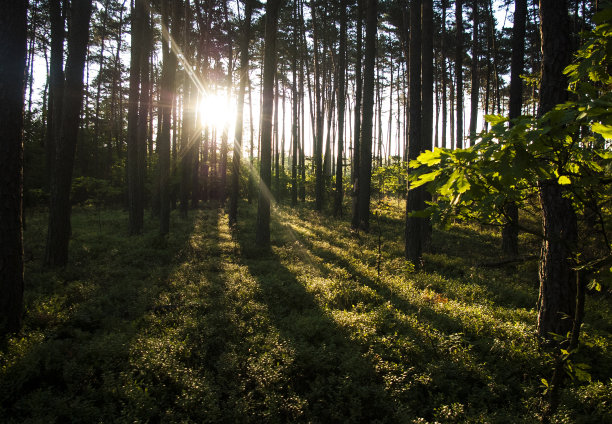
215	111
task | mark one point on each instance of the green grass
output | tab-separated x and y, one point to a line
207	327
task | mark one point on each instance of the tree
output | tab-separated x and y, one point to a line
415	198
244	77
365	142
475	72
13	49
560	156
56	84
262	236
510	229
188	129
341	108
58	235
557	277
133	136
163	139
355	177
459	70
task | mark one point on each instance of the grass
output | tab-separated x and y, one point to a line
206	327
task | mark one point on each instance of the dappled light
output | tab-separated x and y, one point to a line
357	211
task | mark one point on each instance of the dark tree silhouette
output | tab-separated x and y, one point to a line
13	35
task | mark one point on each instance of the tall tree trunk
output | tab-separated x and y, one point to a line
459	71
56	85
415	199
262	236
357	124
135	216
167	90
143	112
341	108
96	122
510	229
188	129
59	211
365	159
427	74
475	74
318	130
244	75
13	48
557	278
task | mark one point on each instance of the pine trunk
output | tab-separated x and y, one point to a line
13	48
58	235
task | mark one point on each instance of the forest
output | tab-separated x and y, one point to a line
356	211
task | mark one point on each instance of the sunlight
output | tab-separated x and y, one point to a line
215	111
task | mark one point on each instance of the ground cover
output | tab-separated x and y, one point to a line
326	326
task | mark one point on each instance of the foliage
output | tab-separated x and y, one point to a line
567	144
95	190
208	328
390	179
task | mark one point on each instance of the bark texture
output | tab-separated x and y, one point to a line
365	159
58	235
557	279
13	49
262	235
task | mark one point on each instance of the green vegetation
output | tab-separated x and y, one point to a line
203	326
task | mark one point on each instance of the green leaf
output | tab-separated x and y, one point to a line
430	157
604	130
495	119
564	180
462	184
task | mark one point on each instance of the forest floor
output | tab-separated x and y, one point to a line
207	327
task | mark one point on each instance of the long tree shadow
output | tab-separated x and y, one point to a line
328	371
80	320
458	382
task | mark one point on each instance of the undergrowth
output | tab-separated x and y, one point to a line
205	326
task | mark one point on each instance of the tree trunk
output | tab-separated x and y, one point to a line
167	90
475	74
295	112
365	159
143	113
341	107
59	211
262	236
427	73
318	111
415	197
510	229
244	75
459	72
557	278
56	85
357	124
13	48
135	216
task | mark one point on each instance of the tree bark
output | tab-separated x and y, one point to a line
56	84
262	236
167	90
13	50
135	213
341	108
557	278
414	198
475	74
510	229
59	211
365	149
357	123
244	76
459	71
